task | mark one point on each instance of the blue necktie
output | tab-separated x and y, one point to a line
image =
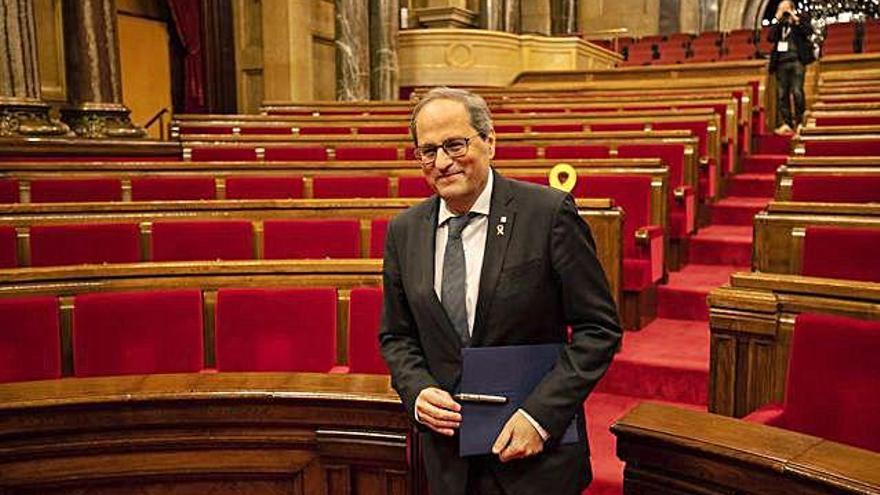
453	288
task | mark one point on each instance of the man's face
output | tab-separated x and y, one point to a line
460	180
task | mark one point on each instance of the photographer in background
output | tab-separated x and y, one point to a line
792	52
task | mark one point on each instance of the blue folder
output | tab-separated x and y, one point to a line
509	371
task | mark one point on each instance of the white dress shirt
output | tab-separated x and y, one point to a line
473	239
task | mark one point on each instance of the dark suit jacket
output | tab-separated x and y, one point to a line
800	35
538	278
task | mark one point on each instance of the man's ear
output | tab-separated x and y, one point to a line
490	142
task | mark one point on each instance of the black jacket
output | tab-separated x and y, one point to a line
539	278
800	36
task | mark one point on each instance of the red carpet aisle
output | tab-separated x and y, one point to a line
668	361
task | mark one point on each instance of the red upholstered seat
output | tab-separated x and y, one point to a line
209	154
138	333
8	191
202	240
324	130
831	386
842	148
8	247
296	154
378	230
75	190
267	130
384	129
847	253
351	186
364	315
633	194
311	239
205	129
276	329
577	151
53	245
557	128
847	120
30	339
629	126
362	153
413	187
173	188
836	188
509	129
264	187
516	152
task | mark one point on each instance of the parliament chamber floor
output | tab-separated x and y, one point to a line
191	270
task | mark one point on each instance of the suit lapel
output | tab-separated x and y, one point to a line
425	256
502	216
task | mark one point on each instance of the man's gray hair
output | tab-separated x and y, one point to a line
477	109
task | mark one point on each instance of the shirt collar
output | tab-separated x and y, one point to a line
481	205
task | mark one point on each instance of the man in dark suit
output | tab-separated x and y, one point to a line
792	52
489	261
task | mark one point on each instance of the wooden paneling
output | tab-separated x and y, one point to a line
51	50
145	59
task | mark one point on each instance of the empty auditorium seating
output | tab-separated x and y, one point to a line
378	230
365	311
30	344
138	332
312	239
845	253
172	188
363	153
413	187
352	186
84	243
837	188
8	247
267	187
75	190
831	383
202	240
840	38
276	329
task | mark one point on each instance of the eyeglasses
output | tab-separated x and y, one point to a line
454	148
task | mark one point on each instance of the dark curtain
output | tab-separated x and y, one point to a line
187	15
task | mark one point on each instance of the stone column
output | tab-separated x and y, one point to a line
563	15
383	49
535	17
492	15
352	50
22	111
94	79
512	16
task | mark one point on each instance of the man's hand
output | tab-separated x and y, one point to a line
437	410
518	439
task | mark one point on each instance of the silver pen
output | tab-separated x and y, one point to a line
481	398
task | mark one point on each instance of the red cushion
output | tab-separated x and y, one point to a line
361	153
212	154
364	315
8	191
173	188
296	154
8	247
384	129
831	387
53	245
264	187
268	129
636	274
276	329
842	148
378	230
137	333
847	120
631	192
75	190
847	253
205	129
311	239
30	339
363	186
632	126
509	129
203	240
698	129
557	128
324	130
515	152
577	151
671	154
413	187
836	188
